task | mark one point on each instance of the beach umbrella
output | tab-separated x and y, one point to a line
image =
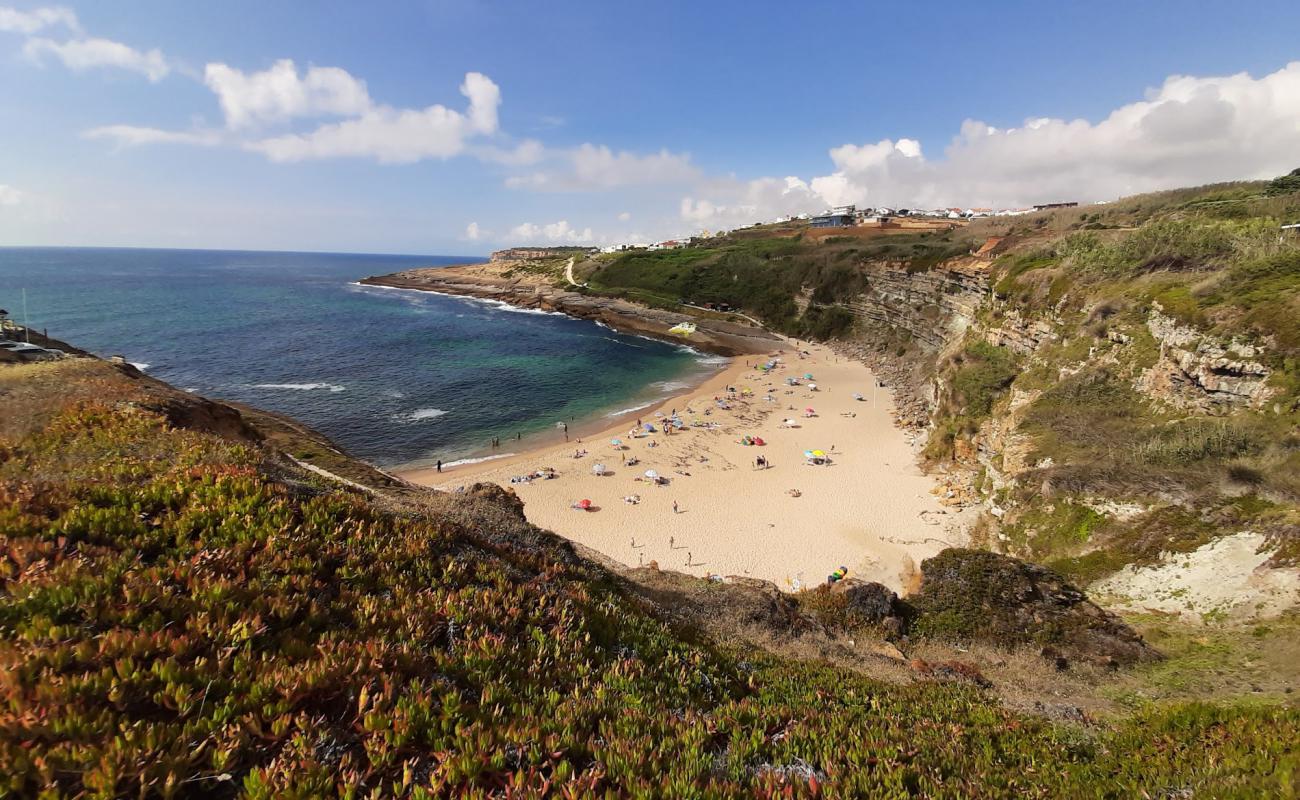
807	376
651	474
616	442
649	427
584	504
819	454
809	410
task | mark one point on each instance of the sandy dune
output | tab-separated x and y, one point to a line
871	510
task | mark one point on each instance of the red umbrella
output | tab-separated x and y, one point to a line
585	505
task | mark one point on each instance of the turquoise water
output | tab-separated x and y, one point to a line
396	377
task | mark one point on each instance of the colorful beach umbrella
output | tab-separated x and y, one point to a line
616	442
651	474
584	504
819	454
807	376
810	410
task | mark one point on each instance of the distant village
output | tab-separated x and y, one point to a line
852	217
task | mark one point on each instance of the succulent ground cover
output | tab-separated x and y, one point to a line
178	618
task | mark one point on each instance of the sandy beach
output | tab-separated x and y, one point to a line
870	509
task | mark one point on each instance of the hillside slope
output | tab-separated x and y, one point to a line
1117	386
186	612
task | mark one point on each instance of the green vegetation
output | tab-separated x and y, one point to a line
763	275
978	375
176	621
1285	184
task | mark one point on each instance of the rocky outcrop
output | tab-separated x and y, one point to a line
975	595
1198	372
711	335
875	604
525	253
1019	334
933	306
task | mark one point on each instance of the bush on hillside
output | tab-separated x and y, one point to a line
1285	184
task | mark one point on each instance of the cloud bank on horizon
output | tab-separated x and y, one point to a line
1189	130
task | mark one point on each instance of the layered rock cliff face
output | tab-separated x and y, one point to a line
938	308
1107	431
1201	373
933	307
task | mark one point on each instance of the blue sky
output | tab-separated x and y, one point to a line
458	127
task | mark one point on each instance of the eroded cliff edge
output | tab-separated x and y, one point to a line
497	282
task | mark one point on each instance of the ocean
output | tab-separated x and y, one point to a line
396	377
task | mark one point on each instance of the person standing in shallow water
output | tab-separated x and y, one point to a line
440	465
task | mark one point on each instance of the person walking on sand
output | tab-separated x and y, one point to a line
675	507
440	465
566	430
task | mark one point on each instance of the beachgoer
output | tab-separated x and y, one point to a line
440	465
674	506
671	542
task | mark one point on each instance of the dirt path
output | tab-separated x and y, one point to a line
568	273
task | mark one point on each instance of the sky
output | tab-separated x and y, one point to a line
460	127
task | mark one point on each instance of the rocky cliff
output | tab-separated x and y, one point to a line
525	291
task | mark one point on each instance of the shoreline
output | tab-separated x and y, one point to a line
584	427
495	282
590	430
871	510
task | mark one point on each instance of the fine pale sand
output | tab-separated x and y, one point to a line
871	509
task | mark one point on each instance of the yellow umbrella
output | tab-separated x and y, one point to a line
819	454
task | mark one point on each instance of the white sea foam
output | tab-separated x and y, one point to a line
139	365
426	413
630	409
462	462
300	387
499	305
671	386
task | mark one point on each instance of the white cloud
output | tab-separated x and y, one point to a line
740	202
484	99
598	167
473	232
529	151
133	136
395	136
9	196
556	232
29	22
82	54
625	216
1188	131
278	93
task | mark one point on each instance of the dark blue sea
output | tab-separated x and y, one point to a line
396	377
